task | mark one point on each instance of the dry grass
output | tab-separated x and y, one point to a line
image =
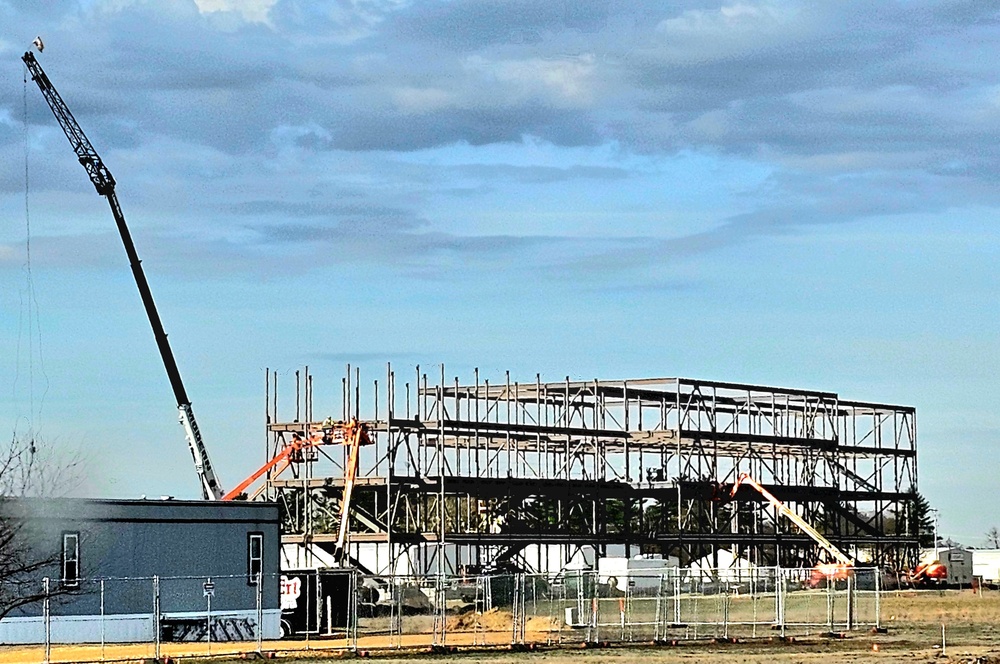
955	606
914	619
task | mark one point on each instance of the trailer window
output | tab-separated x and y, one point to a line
255	556
71	560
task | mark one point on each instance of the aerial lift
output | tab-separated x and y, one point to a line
838	570
104	182
353	434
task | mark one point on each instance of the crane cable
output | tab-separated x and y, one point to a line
29	305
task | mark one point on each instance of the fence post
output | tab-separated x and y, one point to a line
878	598
48	626
623	604
398	591
726	600
852	590
102	620
353	610
156	614
596	605
515	617
831	586
782	599
677	596
523	605
439	610
208	619
260	610
526	605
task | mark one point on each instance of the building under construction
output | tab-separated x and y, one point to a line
536	475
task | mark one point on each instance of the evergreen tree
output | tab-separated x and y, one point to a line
920	520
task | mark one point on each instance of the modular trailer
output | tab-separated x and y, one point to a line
125	570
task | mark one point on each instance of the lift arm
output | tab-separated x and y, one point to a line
353	434
355	438
826	544
104	182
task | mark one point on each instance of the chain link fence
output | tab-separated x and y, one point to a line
140	618
156	617
646	606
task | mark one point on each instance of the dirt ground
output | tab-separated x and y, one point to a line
914	621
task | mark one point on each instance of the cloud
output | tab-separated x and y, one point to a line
252	11
563	81
539	174
236	117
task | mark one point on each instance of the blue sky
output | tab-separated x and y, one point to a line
789	193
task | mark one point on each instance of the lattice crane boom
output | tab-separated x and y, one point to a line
104	182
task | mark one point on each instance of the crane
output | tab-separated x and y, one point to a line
844	562
104	182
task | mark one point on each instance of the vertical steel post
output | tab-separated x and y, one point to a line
727	599
208	617
267	416
878	598
781	597
596	604
260	610
622	604
677	596
852	588
48	624
515	617
156	616
102	620
830	590
353	618
659	609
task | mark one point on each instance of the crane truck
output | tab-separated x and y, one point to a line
104	182
352	434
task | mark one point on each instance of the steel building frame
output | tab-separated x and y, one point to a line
495	475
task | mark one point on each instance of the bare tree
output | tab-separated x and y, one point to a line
993	538
29	470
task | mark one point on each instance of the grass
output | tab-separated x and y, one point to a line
914	621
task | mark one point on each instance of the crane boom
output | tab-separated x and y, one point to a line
826	544
104	182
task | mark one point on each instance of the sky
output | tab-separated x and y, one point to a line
783	193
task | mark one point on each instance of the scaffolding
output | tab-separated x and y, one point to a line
536	476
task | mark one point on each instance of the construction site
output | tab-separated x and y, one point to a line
432	510
536	475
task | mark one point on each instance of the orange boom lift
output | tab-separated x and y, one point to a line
840	569
354	434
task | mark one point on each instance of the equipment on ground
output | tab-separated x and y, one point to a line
934	573
837	570
105	185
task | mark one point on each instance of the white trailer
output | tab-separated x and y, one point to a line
641	573
986	565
